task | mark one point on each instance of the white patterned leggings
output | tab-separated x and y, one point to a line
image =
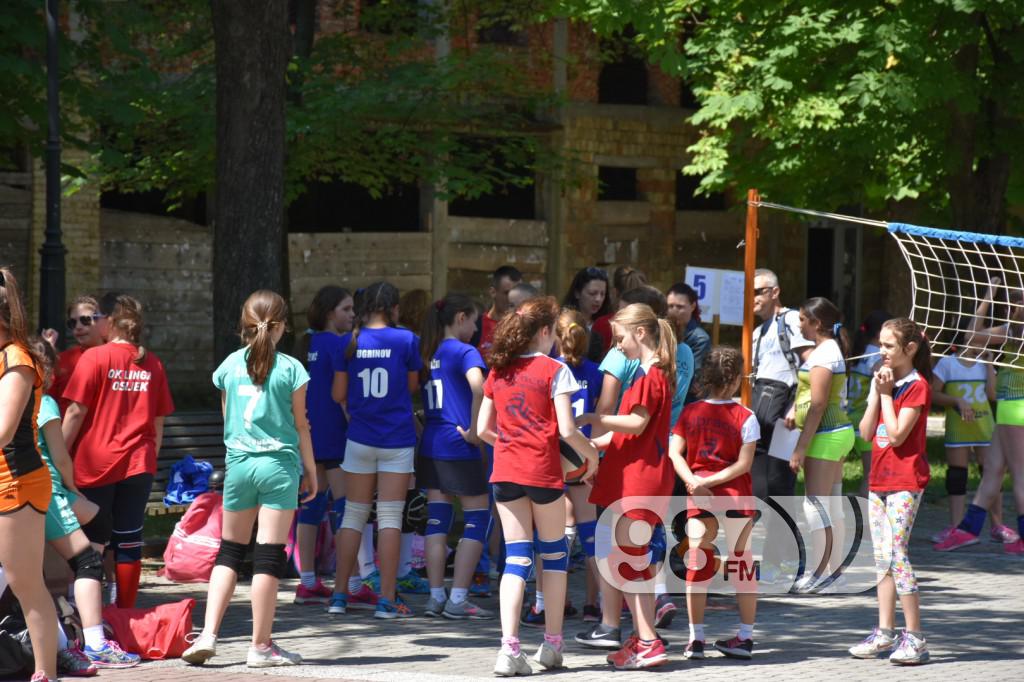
892	517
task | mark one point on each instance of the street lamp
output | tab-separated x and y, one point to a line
51	270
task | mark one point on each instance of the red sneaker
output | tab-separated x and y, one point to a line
363	599
1014	547
635	655
955	540
318	594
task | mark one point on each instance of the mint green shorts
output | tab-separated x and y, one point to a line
60	516
832	446
1010	412
266	480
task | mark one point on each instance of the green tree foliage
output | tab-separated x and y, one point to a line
830	104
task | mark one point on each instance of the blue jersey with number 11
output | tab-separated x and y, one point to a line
590	378
379	404
448	401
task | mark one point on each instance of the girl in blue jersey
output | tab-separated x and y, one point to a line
449	464
330	315
269	464
379	372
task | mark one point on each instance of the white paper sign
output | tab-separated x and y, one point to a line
719	292
783	441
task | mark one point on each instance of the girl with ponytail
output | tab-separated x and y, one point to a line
113	427
269	466
635	442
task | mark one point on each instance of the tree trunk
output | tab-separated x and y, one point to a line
253	46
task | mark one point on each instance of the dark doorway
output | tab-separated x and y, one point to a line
820	265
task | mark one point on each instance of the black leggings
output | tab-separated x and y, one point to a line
121	515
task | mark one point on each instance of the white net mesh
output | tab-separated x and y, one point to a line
968	290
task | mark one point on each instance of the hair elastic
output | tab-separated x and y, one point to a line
573	324
261	325
439	304
835	328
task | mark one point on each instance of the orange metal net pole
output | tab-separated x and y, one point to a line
749	265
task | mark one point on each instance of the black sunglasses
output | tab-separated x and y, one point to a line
762	291
84	320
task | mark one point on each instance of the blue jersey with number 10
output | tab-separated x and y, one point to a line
379	404
448	401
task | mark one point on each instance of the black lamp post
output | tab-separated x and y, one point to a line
51	271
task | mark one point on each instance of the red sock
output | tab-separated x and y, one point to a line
128	583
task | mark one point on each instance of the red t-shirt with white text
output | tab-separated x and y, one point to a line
904	467
118	437
714	432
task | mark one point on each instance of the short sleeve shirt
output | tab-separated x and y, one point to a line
62	374
327	423
48	412
903	467
858	383
714	431
771	362
118	435
967	383
379	402
21	454
258	419
448	401
622	368
828	355
684	375
590	379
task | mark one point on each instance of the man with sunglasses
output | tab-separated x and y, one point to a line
778	351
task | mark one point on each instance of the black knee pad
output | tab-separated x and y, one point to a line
230	554
956	480
87	564
414	520
100	528
269	560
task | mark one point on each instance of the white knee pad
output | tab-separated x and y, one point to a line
389	514
356	514
816	514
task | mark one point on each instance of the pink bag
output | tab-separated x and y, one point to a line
192	548
155	633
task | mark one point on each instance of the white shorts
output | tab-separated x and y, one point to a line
366	459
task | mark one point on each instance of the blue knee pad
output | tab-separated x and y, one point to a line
586	532
519	559
657	544
477	523
337	514
555	554
312	513
439	518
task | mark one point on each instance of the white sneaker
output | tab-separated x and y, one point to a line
465	610
911	651
874	644
271	657
204	647
548	657
508	665
434	608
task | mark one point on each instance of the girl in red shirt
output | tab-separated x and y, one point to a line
526	407
712	449
113	428
635	464
895	422
90	327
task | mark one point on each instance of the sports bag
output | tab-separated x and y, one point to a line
154	633
193	546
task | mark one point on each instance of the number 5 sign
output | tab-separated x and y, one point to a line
719	292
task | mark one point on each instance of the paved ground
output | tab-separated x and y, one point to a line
972	611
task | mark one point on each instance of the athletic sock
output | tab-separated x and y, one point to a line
365	555
93	636
660	589
974	520
510	645
308	579
888	632
437	594
128	583
555	641
746	631
354	583
696	632
539	603
459	595
405	555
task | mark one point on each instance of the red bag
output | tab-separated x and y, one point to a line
154	633
193	546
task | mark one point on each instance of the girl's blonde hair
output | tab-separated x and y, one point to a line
126	323
261	313
573	339
641	316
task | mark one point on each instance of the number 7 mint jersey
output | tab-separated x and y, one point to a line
259	419
379	403
448	401
967	383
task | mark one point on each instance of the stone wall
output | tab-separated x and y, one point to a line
479	246
16	222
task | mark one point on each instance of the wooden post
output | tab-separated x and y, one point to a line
716	327
749	265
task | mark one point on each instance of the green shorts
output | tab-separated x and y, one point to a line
60	517
832	446
1010	412
860	445
265	480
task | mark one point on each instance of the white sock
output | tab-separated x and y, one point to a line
308	579
62	637
405	555
746	631
459	594
93	636
660	588
354	583
437	594
696	632
365	555
539	604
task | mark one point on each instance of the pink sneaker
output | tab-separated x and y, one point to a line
942	534
1003	534
957	538
1014	547
363	599
319	594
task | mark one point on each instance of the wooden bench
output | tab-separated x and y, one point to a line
200	434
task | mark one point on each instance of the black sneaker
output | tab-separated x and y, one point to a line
570	610
736	648
694	650
591	613
601	637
